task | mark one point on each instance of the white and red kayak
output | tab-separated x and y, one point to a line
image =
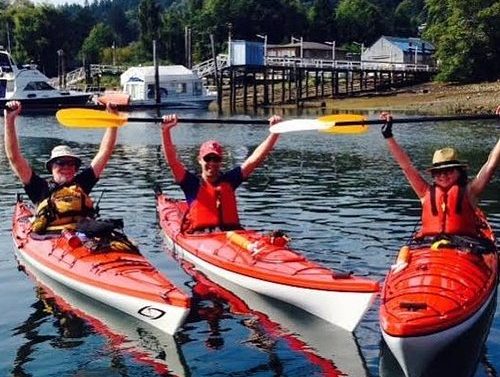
122	279
266	266
435	293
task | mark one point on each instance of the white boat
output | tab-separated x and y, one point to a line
31	87
179	87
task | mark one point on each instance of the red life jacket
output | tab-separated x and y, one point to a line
449	212
214	206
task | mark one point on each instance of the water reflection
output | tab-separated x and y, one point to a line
77	319
333	351
341	199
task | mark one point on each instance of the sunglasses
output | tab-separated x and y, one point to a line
444	171
65	162
212	158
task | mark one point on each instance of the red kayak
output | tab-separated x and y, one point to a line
434	293
267	266
123	333
120	278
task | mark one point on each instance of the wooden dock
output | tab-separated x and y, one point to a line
296	81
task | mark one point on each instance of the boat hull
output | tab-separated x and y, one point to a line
274	271
50	102
123	280
124	333
427	305
196	103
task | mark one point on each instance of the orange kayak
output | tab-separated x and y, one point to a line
434	293
123	333
269	267
122	279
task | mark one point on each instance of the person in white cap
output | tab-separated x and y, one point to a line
449	203
211	196
63	165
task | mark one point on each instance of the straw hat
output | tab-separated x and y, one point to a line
446	158
62	151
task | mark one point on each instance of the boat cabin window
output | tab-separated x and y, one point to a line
38	85
197	88
151	92
181	88
5	63
3	88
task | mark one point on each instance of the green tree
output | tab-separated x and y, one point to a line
466	37
150	21
39	32
173	36
407	18
321	20
100	37
358	21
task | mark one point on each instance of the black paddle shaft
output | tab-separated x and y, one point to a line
339	123
203	120
421	119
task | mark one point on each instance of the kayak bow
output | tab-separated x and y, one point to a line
434	295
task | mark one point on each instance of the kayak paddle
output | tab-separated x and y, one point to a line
90	118
338	125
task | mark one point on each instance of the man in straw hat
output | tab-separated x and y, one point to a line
211	196
63	165
449	204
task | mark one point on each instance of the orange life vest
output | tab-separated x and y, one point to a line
449	212
214	206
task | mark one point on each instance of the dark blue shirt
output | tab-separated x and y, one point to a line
190	184
39	189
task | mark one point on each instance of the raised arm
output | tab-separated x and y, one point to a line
479	183
102	157
108	142
20	166
169	150
417	182
260	153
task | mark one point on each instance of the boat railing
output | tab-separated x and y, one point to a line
79	74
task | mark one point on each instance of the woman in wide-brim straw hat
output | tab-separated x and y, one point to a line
449	202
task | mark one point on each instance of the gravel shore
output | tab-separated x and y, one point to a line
429	98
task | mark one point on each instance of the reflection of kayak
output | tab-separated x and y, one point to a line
434	294
126	334
252	261
333	350
121	279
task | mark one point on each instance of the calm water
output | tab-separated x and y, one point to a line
341	199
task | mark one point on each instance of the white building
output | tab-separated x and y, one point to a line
396	50
179	86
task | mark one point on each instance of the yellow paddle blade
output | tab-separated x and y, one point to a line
89	118
340	129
